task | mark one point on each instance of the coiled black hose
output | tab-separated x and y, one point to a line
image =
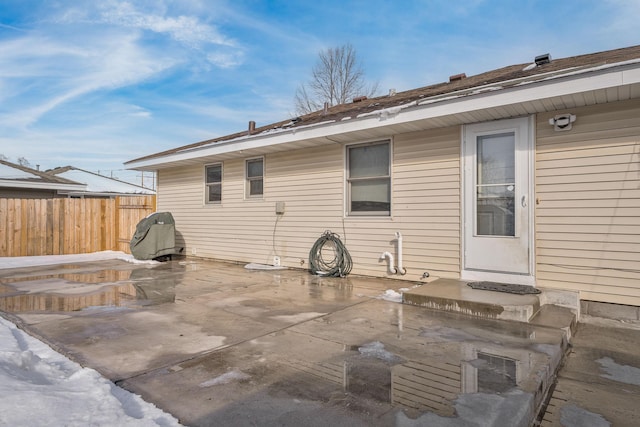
341	263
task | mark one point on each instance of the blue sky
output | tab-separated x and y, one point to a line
96	83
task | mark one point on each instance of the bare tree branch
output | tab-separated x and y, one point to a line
22	161
336	78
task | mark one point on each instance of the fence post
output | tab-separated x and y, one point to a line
117	224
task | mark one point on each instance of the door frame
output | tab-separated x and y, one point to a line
475	274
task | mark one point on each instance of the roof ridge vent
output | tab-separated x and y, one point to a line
457	77
542	59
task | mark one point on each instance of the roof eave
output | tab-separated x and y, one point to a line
573	82
8	183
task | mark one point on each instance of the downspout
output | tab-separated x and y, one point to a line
389	256
401	269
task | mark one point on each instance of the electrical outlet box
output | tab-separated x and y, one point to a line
279	208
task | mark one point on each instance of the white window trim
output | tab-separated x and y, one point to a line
247	187
347	188
206	184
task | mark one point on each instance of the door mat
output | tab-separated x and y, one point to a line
504	287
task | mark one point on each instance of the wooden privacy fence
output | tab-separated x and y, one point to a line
62	226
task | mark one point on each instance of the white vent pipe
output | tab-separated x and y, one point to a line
389	256
401	269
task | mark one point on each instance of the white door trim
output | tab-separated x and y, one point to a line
475	274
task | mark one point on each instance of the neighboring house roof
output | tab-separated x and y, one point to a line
21	177
98	184
511	91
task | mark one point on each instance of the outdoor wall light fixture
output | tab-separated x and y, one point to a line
562	122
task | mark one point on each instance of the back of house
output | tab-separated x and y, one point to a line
527	174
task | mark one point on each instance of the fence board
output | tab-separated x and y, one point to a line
131	209
3	223
30	227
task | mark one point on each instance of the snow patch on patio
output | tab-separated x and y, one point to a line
264	267
235	375
376	350
575	416
620	373
300	317
391	295
513	408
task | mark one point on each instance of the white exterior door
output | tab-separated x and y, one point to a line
497	193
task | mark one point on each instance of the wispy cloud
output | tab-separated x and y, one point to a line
190	32
51	65
185	29
51	73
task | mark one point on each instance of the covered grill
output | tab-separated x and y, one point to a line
155	237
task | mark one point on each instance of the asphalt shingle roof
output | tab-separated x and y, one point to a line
27	174
467	86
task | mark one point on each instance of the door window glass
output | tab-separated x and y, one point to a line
495	185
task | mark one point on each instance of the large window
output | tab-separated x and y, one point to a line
255	177
369	178
213	183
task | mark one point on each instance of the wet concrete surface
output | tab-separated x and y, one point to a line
216	344
599	384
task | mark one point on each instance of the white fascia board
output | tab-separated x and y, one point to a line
631	76
524	92
42	185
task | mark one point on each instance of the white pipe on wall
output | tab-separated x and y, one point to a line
400	269
389	256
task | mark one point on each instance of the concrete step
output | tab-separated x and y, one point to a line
455	296
554	316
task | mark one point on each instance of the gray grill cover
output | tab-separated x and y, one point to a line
155	236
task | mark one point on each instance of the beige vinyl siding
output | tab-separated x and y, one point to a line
425	208
588	216
426	200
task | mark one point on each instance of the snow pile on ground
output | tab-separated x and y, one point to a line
32	261
391	295
39	386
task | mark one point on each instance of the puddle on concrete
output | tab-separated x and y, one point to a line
424	383
428	384
75	291
100	276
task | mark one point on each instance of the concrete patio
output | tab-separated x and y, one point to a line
217	344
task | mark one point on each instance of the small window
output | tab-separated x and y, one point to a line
369	179
255	177
213	183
